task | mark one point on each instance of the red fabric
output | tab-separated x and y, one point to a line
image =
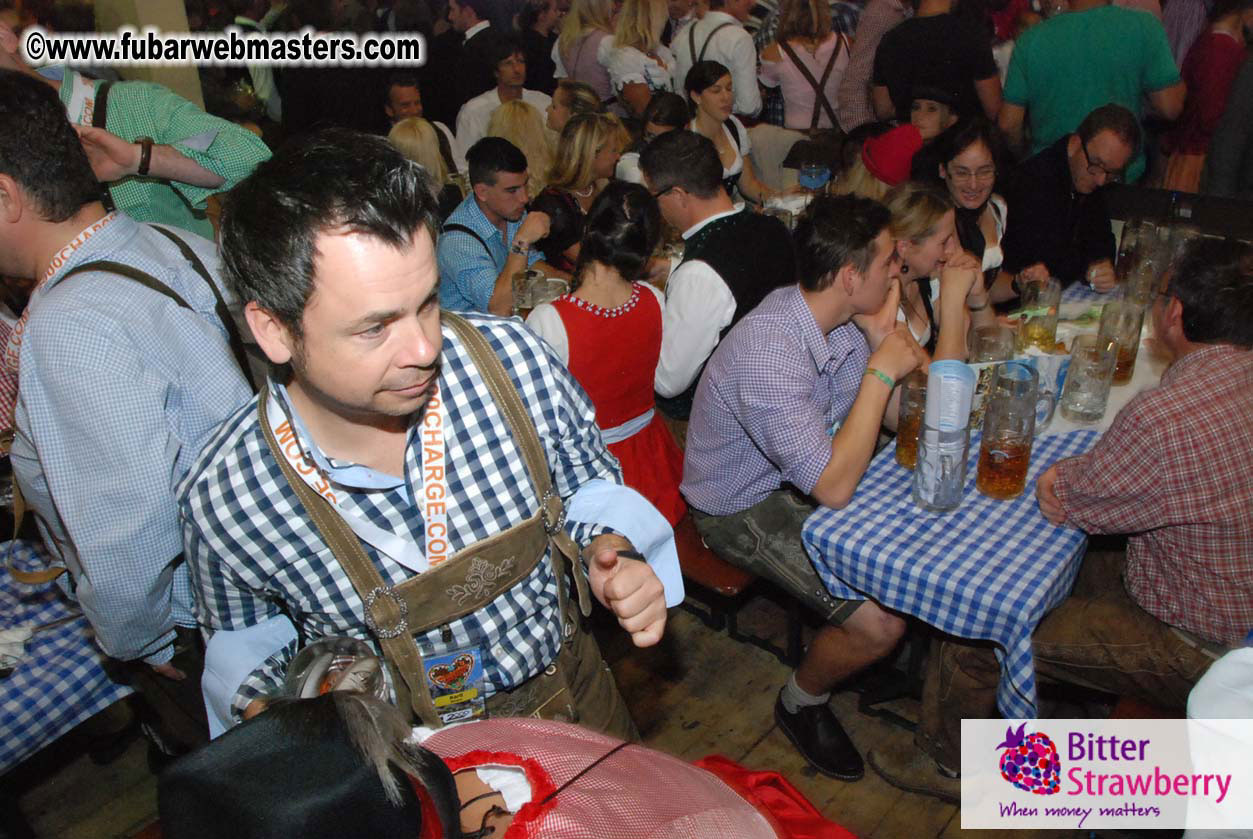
431	826
784	806
1209	71
1173	472
889	156
527	820
1008	19
635	792
614	354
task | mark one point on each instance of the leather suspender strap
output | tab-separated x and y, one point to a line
509	403
445	151
223	311
99	116
820	99
100	110
461	228
149	281
382	605
388	608
691	40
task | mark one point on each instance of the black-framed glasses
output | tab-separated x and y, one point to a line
657	195
1099	168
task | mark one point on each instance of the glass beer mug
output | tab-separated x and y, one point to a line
1008	428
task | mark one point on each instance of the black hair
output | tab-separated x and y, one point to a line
530	13
401	78
1213	281
502	48
1111	117
329	179
40	150
834	231
492	155
621	231
1222	8
338	765
683	159
965	134
482	8
668	109
565	223
702	76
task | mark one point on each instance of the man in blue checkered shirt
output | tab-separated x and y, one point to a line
331	246
112	388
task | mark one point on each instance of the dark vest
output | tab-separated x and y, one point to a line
753	255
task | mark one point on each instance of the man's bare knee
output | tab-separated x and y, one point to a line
875	629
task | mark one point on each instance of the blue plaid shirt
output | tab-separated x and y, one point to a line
118	389
467	270
766	405
251	546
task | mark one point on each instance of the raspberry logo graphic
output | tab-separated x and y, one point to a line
1030	762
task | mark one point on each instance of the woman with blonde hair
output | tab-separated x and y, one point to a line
639	64
587	153
884	160
587	25
807	61
942	293
571	98
522	124
418	140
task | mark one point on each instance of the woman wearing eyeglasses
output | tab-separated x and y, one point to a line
969	155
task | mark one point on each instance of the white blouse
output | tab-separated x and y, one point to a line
627	65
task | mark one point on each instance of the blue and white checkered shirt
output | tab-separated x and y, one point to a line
766	404
251	545
467	270
118	389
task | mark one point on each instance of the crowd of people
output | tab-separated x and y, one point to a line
417	469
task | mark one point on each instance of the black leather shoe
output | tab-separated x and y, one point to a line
819	737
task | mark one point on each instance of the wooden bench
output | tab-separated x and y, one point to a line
722	589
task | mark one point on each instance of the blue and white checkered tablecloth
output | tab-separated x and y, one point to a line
62	681
989	570
1081	292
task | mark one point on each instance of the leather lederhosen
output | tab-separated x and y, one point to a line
471	578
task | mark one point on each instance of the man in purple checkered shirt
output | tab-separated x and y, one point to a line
790	405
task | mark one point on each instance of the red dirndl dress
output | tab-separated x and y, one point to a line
614	354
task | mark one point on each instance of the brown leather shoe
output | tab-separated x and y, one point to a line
907	767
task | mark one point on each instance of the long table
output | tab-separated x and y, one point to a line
989	570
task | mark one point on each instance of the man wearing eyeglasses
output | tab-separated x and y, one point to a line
732	258
1058	221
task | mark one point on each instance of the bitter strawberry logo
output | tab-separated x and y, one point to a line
1030	762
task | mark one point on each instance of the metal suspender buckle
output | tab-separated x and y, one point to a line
400	627
554	515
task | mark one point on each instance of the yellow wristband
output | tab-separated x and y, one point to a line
881	376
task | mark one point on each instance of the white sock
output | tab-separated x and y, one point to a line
794	698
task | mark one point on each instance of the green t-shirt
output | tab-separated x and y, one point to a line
1068	66
142	109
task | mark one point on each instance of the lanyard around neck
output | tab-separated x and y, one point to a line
329	481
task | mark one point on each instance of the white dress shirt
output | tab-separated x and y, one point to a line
699	305
731	46
474	115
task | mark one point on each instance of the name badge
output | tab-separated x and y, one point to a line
455	680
